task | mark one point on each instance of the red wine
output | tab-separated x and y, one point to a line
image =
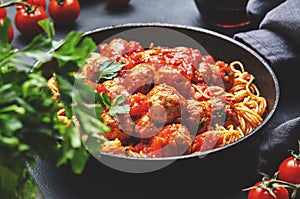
223	13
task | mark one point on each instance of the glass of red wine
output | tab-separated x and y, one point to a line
224	13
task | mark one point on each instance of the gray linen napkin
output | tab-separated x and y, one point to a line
277	39
257	9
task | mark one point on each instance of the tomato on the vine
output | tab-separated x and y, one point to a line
10	31
261	192
41	3
64	11
26	20
289	168
3	12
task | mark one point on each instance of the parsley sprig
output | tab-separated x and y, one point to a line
28	120
116	106
109	70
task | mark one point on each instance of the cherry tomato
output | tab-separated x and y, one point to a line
262	193
26	20
118	2
10	31
64	11
41	3
289	170
3	12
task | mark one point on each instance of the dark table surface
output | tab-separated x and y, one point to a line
99	181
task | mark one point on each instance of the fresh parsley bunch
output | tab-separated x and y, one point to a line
28	115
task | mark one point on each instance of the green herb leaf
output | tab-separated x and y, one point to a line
66	92
37	49
105	100
76	154
35	84
119	100
118	108
124	109
8	95
48	27
5	47
8	180
75	139
87	110
79	160
9	141
37	44
10	124
74	48
109	70
94	144
4	29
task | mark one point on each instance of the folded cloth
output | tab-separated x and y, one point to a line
284	19
277	49
276	145
278	36
277	39
257	9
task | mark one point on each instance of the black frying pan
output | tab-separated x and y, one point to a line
221	47
227	167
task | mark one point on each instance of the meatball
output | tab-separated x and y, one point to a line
205	141
119	47
217	75
172	140
165	104
173	77
112	88
198	116
226	74
189	55
145	128
140	79
91	68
